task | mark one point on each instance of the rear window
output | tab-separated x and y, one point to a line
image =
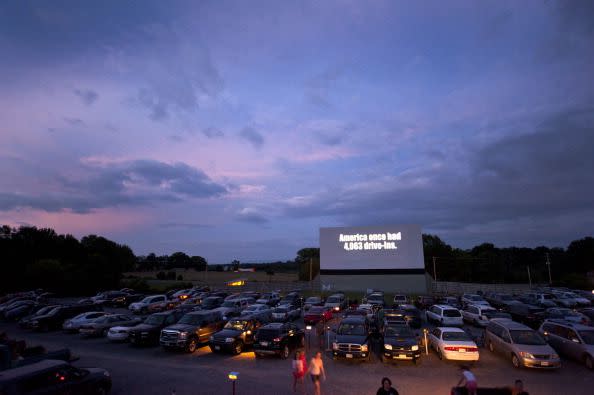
451	313
333	300
316	310
455	336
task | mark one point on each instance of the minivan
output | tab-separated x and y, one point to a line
524	346
573	340
444	315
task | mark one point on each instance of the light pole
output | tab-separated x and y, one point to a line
233	376
549	266
434	271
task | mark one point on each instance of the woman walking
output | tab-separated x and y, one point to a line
316	370
299	364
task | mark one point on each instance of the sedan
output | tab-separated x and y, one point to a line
453	344
312	301
73	324
261	312
567	315
100	326
119	333
317	314
285	312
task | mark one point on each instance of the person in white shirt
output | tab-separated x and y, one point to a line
469	380
316	370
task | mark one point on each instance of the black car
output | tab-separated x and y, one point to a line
278	339
212	302
526	314
235	336
51	377
126	299
56	317
191	330
26	321
148	332
352	339
400	343
412	315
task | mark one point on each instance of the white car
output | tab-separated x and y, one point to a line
74	324
336	302
474	299
477	314
150	304
580	300
285	313
400	299
445	315
118	333
312	301
259	311
453	344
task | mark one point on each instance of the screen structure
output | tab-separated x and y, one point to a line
372	248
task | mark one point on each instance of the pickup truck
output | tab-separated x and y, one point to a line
352	339
191	330
236	335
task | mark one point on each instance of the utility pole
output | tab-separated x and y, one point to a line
434	271
310	269
529	278
549	266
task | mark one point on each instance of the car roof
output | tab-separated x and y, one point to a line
445	306
482	307
273	325
354	319
450	329
40	366
509	324
569	324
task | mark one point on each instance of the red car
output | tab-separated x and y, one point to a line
316	314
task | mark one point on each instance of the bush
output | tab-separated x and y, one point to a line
170	275
161	276
137	284
180	278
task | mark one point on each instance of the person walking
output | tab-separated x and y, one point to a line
468	379
299	365
386	388
316	371
518	388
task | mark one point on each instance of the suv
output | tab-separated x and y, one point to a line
352	339
572	340
56	317
233	307
337	302
278	339
148	332
399	343
480	315
444	315
526	314
192	329
150	304
54	377
212	302
269	298
235	335
523	345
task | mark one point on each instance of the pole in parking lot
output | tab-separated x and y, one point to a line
529	278
549	266
328	339
426	344
233	376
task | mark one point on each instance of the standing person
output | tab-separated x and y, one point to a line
519	388
316	369
320	331
299	364
468	379
386	388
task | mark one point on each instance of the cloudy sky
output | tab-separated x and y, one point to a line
237	129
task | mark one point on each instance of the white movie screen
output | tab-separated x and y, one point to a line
371	247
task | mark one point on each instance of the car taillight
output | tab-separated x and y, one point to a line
276	339
451	348
471	349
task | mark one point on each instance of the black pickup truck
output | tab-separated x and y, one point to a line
148	332
191	330
235	335
352	339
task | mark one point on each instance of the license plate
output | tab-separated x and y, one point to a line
349	355
264	344
402	356
217	347
461	350
544	363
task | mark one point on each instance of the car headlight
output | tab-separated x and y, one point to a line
229	340
106	373
526	355
335	346
183	334
388	346
364	347
415	348
554	356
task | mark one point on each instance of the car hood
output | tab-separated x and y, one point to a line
400	341
227	333
544	349
41	317
181	328
355	339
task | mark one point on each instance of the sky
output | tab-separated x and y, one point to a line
236	129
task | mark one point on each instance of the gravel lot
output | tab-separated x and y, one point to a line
152	370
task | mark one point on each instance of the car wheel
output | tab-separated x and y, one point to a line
439	354
191	347
285	352
238	348
516	361
491	348
104	332
589	362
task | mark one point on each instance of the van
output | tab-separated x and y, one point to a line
524	346
336	302
573	340
444	315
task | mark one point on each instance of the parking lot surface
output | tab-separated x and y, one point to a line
152	370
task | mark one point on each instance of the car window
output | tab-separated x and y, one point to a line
587	337
571	335
527	337
451	313
455	336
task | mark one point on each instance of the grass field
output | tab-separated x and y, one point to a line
220	277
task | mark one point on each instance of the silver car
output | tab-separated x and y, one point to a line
73	324
524	345
572	340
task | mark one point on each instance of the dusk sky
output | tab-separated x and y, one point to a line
235	130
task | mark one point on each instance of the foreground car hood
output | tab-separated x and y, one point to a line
354	339
399	341
227	333
180	327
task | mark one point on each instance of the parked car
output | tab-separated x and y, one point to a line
118	333
25	322
453	344
73	324
399	343
423	302
474	299
260	312
588	312
579	299
522	344
150	304
566	314
317	314
285	313
444	315
233	307
293	299
212	302
236	335
109	298
312	301
574	341
544	303
56	317
148	332
278	339
477	314
527	314
54	377
400	299
412	315
451	301
375	299
126	299
191	330
500	300
269	298
100	326
352	340
564	299
336	302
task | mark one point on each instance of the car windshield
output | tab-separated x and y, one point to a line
451	313
527	337
588	337
398	331
455	336
313	300
351	329
155	320
209	302
236	324
44	310
191	319
333	299
228	303
54	310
